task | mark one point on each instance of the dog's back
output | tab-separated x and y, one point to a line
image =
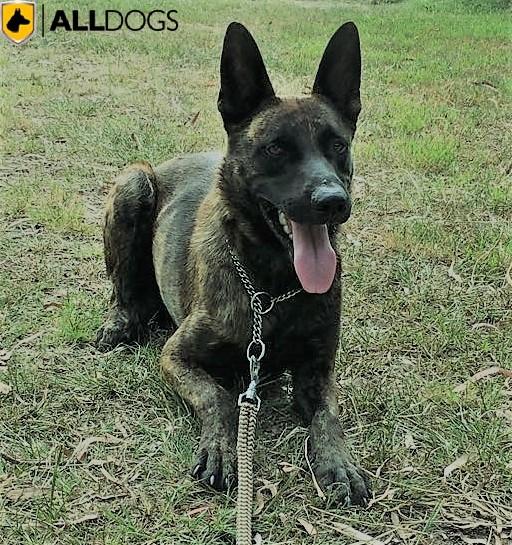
181	184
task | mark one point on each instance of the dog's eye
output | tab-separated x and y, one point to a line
339	146
274	150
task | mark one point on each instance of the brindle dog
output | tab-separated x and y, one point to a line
276	197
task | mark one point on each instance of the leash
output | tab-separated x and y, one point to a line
249	402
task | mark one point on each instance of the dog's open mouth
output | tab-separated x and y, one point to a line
313	256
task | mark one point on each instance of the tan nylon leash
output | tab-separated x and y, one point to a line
249	402
245	453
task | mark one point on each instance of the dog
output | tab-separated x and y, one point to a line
14	23
275	200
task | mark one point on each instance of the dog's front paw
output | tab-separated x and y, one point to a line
116	330
340	480
216	463
109	335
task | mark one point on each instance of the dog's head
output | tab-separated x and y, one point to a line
293	156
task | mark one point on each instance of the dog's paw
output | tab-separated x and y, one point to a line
112	333
216	465
341	481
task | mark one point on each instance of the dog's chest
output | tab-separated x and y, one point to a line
295	329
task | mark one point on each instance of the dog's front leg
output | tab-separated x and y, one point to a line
192	343
315	398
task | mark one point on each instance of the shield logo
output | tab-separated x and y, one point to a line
18	20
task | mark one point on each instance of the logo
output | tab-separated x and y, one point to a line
18	20
112	20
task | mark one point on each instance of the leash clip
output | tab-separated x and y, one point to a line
250	396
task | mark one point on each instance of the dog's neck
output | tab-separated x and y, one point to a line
264	257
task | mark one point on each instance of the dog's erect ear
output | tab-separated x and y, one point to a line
244	82
339	74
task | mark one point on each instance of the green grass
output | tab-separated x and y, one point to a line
426	253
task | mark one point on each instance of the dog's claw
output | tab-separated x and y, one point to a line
342	481
230	482
215	465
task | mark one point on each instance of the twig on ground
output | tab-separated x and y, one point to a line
319	491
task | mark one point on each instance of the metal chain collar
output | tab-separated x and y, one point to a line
261	303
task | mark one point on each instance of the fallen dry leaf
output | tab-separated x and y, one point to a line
310	529
259	503
26	493
85	518
4	388
110	477
387	494
473	541
403	534
288	468
352	533
101	462
489	372
79	520
82	447
198	511
461	461
260	497
453	274
409	469
409	441
483	325
270	486
50	307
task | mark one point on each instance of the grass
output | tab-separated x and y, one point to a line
428	302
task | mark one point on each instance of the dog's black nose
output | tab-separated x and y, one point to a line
331	200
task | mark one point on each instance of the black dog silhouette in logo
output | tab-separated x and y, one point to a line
16	21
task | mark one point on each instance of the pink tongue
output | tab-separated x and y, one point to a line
313	257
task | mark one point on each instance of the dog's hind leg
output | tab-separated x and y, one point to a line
127	237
